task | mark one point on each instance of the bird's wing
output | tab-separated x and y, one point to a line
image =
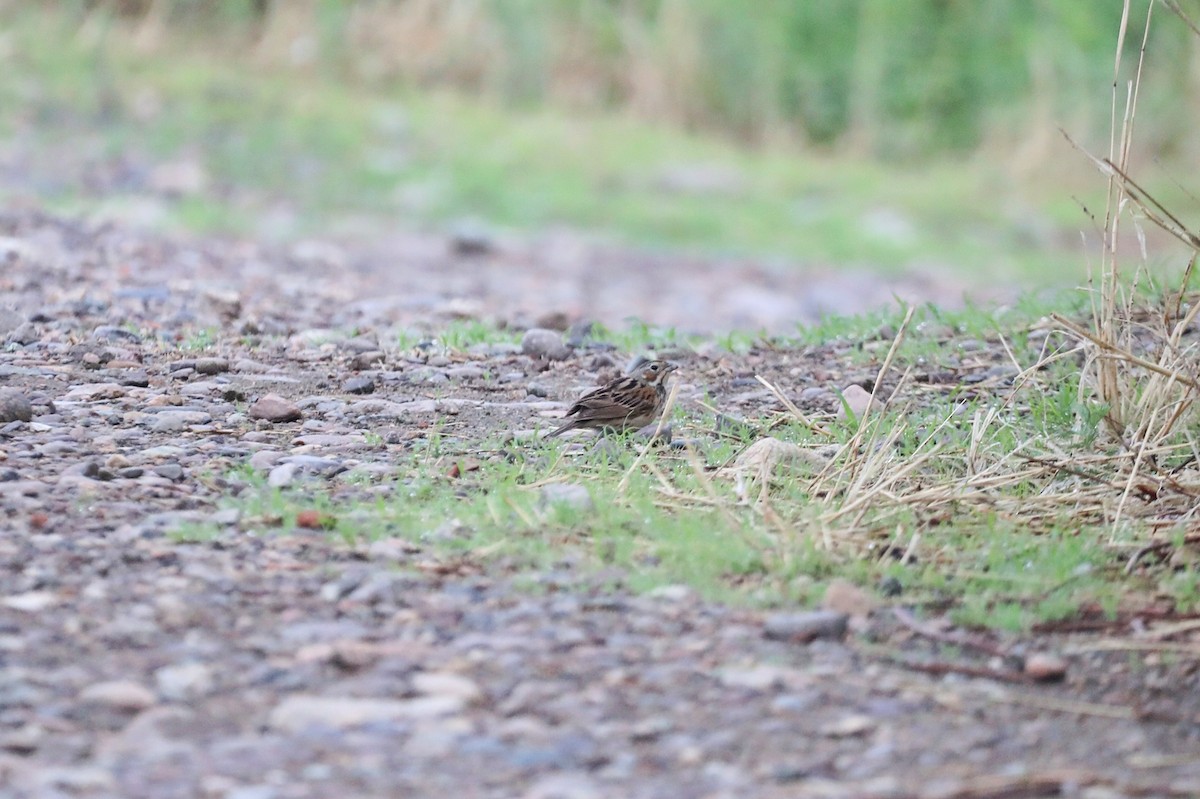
611	403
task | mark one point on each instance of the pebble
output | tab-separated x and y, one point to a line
211	366
447	684
367	360
283	475
568	495
801	628
274	408
845	597
542	343
14	406
171	471
176	421
31	601
566	786
184	681
857	400
1045	667
359	385
124	695
10	320
113	333
299	712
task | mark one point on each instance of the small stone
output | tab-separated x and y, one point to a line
123	695
359	385
10	320
114	333
176	421
465	373
265	459
444	683
651	432
211	366
14	406
171	471
801	628
672	593
298	712
367	360
282	475
24	334
1045	667
566	785
580	332
31	601
538	342
651	728
569	495
184	681
844	596
849	726
226	516
471	237
755	678
856	400
136	378
891	586
274	408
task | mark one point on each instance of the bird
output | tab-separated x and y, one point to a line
630	402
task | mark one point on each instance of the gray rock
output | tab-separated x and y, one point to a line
171	471
176	421
367	360
14	406
26	333
361	384
10	320
800	628
465	373
211	366
471	237
283	475
570	495
114	333
265	459
542	343
565	785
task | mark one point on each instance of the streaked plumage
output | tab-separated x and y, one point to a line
630	402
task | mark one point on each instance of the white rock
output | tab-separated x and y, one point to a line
565	785
444	683
295	713
31	601
119	694
183	681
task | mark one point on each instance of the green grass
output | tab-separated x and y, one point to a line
1030	547
331	155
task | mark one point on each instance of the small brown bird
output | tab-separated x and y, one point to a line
628	403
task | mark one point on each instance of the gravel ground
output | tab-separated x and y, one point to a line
133	664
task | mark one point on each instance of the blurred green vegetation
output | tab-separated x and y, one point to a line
893	78
665	123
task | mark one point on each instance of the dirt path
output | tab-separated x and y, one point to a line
287	664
